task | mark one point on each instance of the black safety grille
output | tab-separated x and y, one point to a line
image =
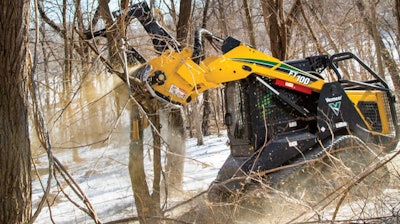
268	107
255	114
371	114
392	129
239	109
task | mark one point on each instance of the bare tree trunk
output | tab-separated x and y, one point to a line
397	10
172	10
389	62
175	156
83	48
197	121
182	28
376	36
279	25
250	27
315	16
146	204
206	95
272	11
67	79
218	108
111	34
223	19
205	14
320	49
189	120
42	30
15	160
206	113
136	166
157	167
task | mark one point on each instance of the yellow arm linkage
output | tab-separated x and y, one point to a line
176	78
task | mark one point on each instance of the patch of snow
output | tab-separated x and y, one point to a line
103	175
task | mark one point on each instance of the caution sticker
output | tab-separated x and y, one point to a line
178	92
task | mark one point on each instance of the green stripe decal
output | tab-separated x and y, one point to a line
283	67
256	61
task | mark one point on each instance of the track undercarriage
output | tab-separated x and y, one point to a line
342	170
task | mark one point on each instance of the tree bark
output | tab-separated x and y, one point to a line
136	166
250	27
223	20
42	31
83	48
205	13
15	165
398	16
182	28
176	152
146	205
111	34
197	122
279	29
206	94
272	11
376	36
206	113
157	167
67	79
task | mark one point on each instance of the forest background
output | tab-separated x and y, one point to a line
80	98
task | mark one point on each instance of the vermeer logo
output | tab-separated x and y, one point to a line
332	99
334	104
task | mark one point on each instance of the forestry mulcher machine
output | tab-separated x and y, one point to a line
278	114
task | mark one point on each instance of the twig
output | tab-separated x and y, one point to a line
67	196
185	202
78	191
369	220
40	128
105	62
348	186
43	187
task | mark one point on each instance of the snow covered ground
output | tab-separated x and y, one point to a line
103	175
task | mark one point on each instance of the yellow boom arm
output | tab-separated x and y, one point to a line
176	78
